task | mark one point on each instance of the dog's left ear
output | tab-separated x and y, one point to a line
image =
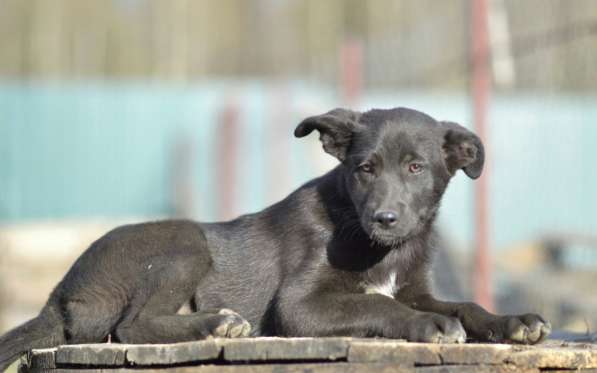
335	128
462	150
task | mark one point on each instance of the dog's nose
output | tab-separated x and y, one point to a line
386	218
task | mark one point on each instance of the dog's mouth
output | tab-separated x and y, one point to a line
385	238
388	236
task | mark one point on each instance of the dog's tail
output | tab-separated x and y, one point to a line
41	332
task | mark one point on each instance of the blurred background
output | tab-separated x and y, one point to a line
119	111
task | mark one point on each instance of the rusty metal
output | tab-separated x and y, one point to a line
480	90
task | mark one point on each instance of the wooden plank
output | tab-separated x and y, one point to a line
296	349
475	369
252	353
465	354
403	353
178	353
341	367
91	354
550	358
39	359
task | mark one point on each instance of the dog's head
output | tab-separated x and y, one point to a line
397	164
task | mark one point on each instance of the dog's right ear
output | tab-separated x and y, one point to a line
335	128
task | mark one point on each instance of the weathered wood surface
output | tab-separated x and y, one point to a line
313	354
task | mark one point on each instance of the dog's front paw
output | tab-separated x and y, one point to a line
526	329
228	323
434	328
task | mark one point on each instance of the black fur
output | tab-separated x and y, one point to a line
347	254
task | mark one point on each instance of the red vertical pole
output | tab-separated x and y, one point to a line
480	87
351	71
227	160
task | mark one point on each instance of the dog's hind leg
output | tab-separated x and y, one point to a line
154	319
181	328
88	322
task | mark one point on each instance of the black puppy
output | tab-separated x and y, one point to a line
347	254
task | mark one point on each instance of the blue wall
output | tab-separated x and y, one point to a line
106	150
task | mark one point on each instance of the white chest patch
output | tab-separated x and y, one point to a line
387	288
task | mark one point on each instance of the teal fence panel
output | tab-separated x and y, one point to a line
88	150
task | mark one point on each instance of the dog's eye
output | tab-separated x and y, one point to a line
415	168
366	167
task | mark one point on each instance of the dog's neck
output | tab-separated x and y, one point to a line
335	200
